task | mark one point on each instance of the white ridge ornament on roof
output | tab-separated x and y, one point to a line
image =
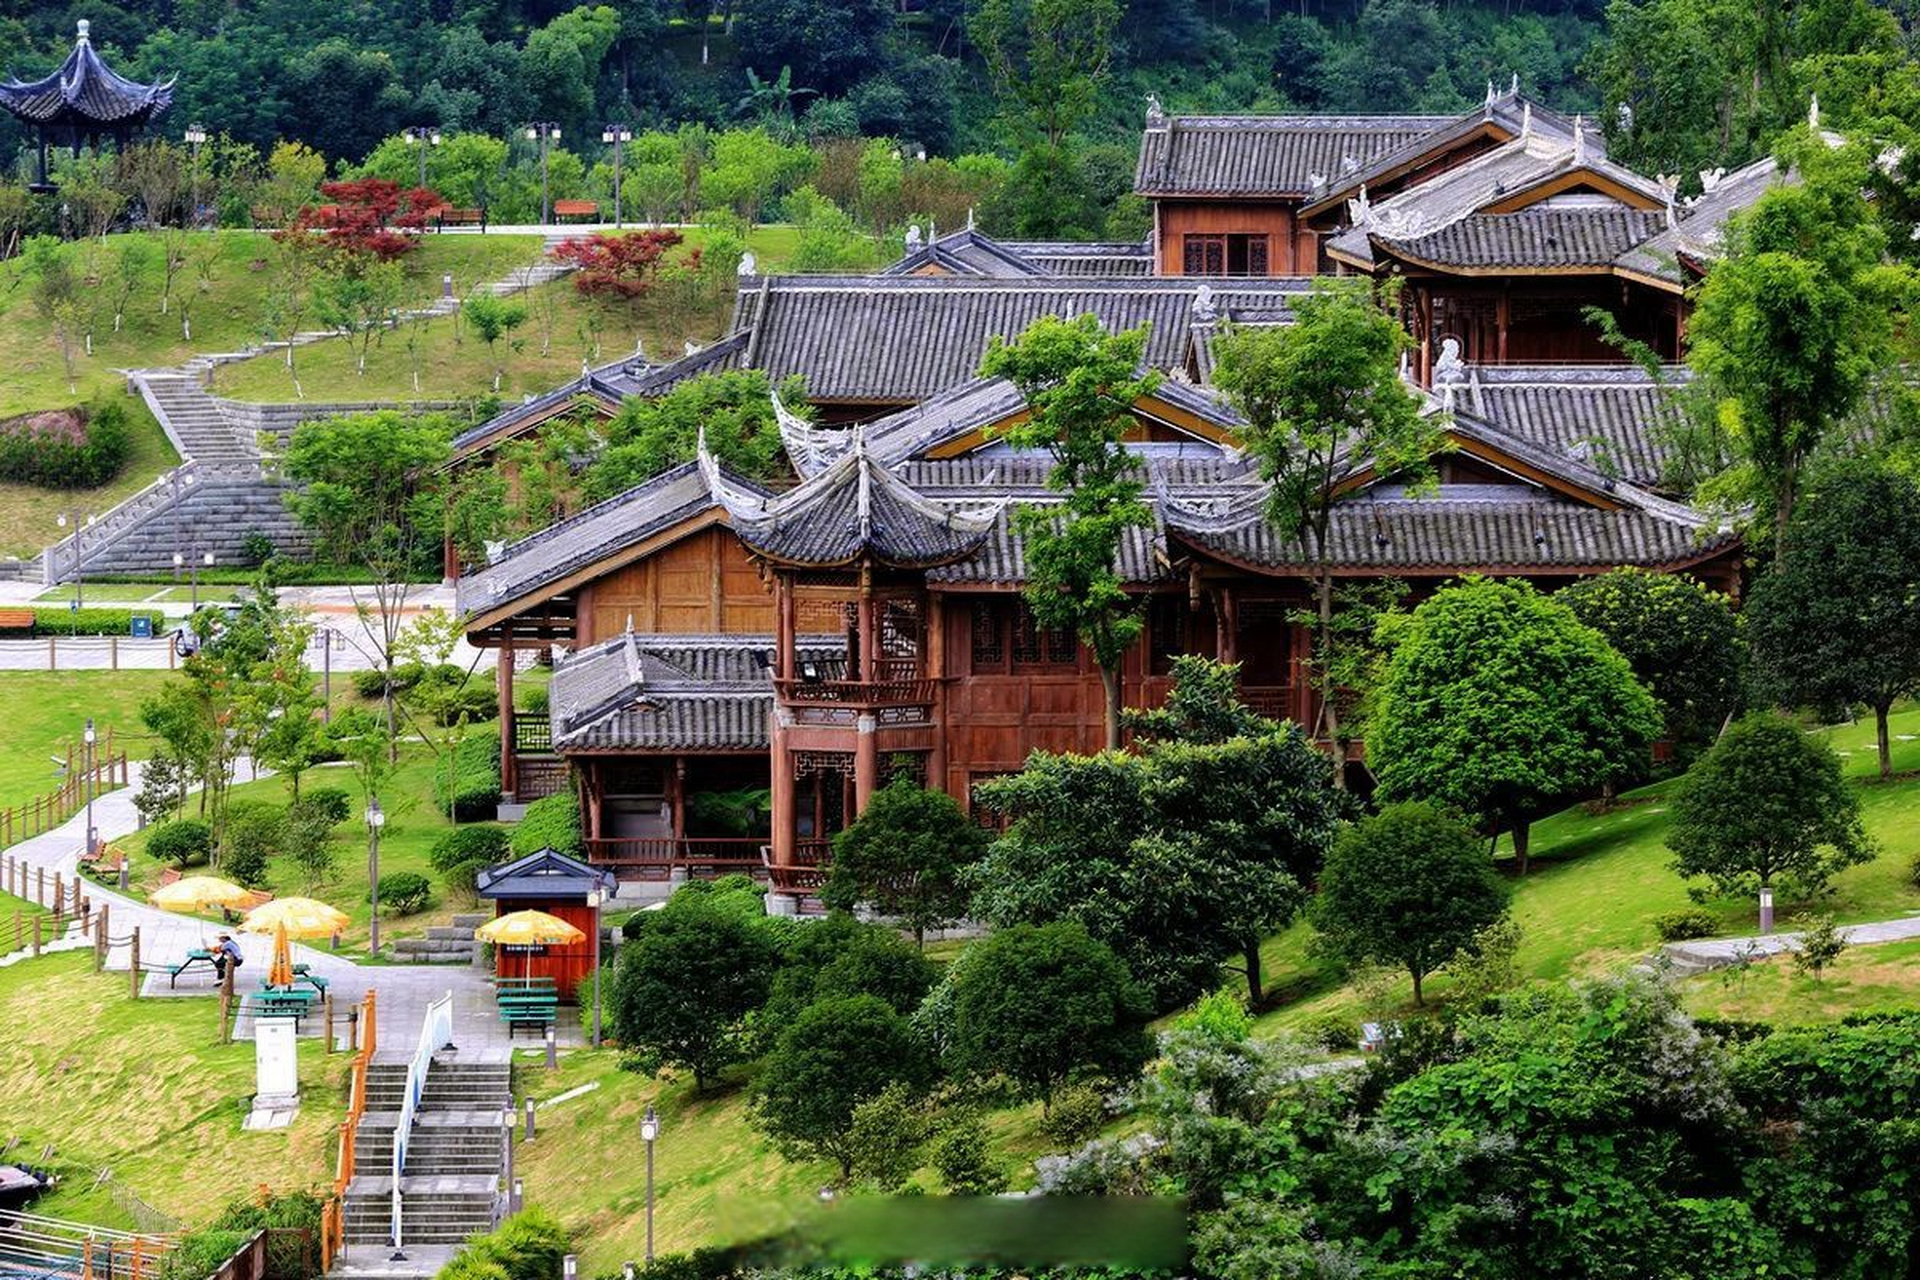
810	448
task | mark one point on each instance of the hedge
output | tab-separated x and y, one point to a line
66	448
476	779
57	621
528	1246
552	823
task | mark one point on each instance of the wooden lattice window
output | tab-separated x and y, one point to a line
1166	632
1034	646
1224	255
989	635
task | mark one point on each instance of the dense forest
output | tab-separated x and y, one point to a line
1052	88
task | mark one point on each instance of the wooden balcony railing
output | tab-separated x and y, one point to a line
532	733
657	857
1274	701
858	693
808	871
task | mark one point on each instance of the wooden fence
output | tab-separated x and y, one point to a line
44	813
62	899
333	1214
273	1253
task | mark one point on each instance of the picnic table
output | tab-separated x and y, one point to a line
527	1002
199	955
284	1002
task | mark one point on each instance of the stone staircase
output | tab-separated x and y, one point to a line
450	1188
451	943
195	424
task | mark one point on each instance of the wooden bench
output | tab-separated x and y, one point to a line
16	619
584	210
451	217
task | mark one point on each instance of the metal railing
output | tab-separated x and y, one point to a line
436	1030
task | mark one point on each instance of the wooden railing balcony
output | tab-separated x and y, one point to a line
805	875
657	857
1274	701
532	733
858	693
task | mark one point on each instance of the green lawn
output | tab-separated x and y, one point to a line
135	593
1862	980
413	824
228	318
46	711
144	1089
562	329
1599	879
28	514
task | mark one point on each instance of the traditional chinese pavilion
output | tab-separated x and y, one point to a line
83	101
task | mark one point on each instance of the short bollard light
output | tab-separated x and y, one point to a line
529	1137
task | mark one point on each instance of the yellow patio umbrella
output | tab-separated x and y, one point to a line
199	893
287	918
528	929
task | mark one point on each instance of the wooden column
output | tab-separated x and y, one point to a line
677	795
866	631
1423	301
783	790
866	763
503	682
1503	315
784	627
935	668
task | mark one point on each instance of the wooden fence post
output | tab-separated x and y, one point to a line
326	1011
39	886
133	962
36	935
53	654
59	895
100	938
113	653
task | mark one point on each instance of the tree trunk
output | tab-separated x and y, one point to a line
1251	951
1880	732
1110	685
1521	833
1783	492
1418	997
1329	696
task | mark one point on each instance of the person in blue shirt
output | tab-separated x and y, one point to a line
225	955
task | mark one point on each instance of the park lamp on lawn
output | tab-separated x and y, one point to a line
617	136
650	1130
376	819
546	133
86	758
422	137
195	135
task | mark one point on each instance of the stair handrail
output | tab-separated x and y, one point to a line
333	1214
436	1032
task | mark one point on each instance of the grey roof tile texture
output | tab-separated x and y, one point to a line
83	93
1562	237
1266	155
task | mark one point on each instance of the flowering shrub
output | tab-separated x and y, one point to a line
620	266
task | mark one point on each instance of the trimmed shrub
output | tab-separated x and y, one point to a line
66	448
405	892
462	853
1689	922
1331	1032
528	1246
552	823
963	1156
476	779
331	803
186	842
476	701
256	547
255	834
56	621
1078	1112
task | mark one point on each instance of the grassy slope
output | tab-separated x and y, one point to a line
454	365
28	513
412	826
144	1088
45	711
229	318
1599	880
1863	979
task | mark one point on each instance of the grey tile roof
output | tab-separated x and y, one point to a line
902	339
1471	532
1265	155
545	873
1067	258
83	94
1001	557
672	692
1556	236
1698	231
584	539
1607	415
966	252
853	509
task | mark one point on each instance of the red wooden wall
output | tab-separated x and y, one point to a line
565	965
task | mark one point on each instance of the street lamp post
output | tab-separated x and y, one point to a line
86	781
422	137
546	133
594	899
193	574
649	1130
375	820
195	135
619	135
79	578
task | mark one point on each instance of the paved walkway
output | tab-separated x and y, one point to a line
1703	954
404	991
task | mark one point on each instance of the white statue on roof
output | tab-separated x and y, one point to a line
1204	309
749	265
1156	115
1450	367
913	237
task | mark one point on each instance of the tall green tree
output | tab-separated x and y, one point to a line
838	1054
1834	621
1767	802
1409	886
904	856
1080	384
1499	703
684	988
1323	399
1796	321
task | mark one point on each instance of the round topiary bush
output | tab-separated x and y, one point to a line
330	802
405	892
185	842
1689	922
481	843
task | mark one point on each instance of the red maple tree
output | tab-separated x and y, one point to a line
369	216
621	266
